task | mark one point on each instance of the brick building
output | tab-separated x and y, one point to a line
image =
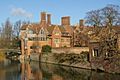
35	35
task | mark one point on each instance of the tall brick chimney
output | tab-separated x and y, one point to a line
81	22
43	17
65	20
48	19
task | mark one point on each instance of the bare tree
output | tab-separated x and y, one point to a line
17	27
94	18
107	16
6	34
110	15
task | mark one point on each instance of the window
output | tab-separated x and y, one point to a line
33	39
30	32
42	38
56	40
62	40
41	31
56	33
95	52
68	40
34	47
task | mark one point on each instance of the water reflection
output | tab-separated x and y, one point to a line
43	71
11	72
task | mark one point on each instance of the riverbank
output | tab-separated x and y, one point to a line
77	62
43	71
50	58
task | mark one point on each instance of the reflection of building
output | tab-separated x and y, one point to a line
27	73
9	71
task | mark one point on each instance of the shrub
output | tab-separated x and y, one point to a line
46	48
85	55
2	56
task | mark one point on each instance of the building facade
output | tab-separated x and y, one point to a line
35	35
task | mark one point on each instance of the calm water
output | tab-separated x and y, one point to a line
43	71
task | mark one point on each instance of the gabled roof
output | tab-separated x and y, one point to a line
51	28
62	29
24	27
37	26
33	26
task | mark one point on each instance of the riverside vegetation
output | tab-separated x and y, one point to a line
2	56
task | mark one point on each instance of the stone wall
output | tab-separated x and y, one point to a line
76	50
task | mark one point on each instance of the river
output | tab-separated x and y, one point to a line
44	71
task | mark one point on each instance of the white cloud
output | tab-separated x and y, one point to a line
21	12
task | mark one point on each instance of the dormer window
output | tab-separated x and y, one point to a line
42	31
42	35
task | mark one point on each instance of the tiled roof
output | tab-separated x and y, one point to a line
62	29
24	27
117	29
50	29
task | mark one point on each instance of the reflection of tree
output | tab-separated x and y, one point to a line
57	72
34	47
69	73
64	73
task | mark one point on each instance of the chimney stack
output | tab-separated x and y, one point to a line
48	19
65	20
81	22
43	17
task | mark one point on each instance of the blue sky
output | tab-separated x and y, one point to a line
30	9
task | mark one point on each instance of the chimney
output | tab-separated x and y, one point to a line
43	17
81	22
48	19
65	20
